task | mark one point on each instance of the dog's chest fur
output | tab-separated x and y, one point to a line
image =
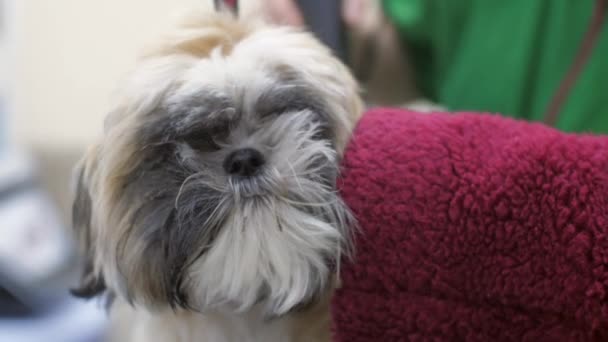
129	324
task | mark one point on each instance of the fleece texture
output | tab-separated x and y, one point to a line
473	227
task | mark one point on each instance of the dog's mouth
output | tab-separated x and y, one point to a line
262	184
249	189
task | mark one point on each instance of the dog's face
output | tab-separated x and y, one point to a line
214	184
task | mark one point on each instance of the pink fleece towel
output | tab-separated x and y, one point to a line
474	228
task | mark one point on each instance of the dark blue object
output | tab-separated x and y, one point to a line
324	19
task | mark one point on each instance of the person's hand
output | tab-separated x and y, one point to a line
353	11
284	12
362	16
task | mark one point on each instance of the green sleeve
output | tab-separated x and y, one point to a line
505	57
428	28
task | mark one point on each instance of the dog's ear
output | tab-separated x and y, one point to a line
91	283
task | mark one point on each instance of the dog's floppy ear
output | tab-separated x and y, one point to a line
91	283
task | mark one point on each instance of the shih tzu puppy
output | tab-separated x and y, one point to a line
208	209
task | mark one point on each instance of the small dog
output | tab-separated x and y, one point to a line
208	210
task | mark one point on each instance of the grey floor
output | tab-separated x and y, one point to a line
39	270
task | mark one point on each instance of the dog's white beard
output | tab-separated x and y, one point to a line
275	250
254	257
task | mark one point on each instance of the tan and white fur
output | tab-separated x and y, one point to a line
208	210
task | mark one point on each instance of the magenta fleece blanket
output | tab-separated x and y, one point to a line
473	227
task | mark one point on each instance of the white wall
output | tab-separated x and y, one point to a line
4	60
69	55
5	78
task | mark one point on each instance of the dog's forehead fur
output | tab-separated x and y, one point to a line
217	51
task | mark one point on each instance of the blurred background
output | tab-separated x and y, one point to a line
59	61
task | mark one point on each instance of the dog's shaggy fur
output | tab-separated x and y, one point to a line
189	248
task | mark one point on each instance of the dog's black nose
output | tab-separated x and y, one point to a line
244	162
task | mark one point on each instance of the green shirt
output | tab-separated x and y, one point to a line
506	56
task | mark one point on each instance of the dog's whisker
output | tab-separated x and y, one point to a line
181	188
309	204
212	216
297	179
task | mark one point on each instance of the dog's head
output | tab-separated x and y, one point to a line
214	183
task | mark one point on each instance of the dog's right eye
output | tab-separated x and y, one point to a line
202	141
